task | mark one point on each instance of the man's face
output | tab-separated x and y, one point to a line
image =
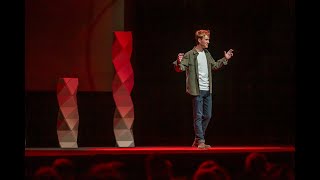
204	42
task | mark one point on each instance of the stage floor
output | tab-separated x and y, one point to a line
85	151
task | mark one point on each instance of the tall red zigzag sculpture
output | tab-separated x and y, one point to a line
121	87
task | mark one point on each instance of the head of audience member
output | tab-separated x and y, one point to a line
256	163
281	172
213	173
65	168
46	173
208	164
114	170
211	170
158	168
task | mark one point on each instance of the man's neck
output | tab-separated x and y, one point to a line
199	48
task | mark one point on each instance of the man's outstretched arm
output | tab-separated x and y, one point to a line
223	61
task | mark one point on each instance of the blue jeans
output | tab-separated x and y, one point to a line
202	112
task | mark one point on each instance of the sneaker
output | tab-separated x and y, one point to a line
203	146
195	144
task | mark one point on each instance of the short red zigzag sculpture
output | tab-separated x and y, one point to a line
122	86
68	116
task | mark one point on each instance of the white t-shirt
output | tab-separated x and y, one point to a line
203	71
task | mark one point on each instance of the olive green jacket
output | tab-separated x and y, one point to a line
189	64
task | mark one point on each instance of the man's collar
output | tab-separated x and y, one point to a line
196	52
